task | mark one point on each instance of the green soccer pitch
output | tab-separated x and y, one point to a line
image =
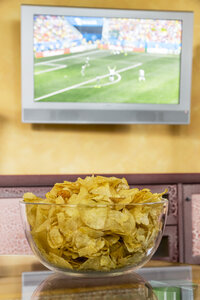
70	78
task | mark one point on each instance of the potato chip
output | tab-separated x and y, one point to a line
59	261
94	217
55	238
95	223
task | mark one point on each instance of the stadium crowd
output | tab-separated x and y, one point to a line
133	30
54	32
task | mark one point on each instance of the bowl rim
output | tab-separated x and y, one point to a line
163	201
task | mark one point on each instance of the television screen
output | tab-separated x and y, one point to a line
105	66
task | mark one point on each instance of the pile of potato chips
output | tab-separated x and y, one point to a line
96	223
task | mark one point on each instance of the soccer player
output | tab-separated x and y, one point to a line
98	80
83	70
141	75
112	73
87	61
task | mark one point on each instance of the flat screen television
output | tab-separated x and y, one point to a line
105	66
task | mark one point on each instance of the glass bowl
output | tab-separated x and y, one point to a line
94	240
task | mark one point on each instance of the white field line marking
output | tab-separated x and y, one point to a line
50	63
55	67
105	84
64	58
86	82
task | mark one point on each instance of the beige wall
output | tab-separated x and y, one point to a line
46	149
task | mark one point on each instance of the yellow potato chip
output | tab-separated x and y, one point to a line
94	217
59	261
55	238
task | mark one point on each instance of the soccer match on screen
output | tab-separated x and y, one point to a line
110	60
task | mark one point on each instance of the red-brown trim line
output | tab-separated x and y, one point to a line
148	178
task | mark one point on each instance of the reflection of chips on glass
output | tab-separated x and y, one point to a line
97	223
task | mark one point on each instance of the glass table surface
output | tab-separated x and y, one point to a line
24	277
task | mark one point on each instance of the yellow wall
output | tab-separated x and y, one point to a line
51	149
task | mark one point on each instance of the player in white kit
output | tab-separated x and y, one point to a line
112	73
141	75
83	70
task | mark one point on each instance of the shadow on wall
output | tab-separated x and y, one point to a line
2	139
136	129
193	129
16	39
195	92
83	128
